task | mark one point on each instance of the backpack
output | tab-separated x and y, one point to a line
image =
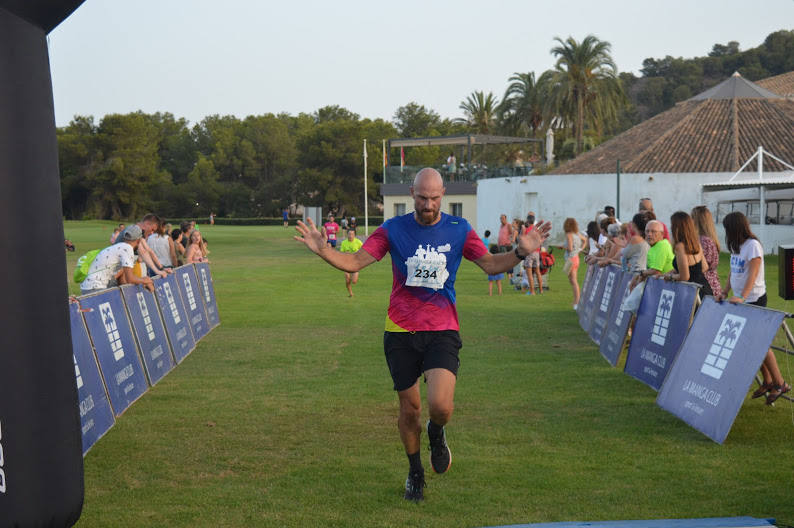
546	261
83	265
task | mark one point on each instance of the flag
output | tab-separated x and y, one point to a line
402	158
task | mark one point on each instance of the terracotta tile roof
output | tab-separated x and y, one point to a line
708	135
782	84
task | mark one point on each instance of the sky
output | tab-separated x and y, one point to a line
196	58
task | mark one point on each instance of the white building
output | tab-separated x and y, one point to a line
669	158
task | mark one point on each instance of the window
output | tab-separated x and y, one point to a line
456	209
777	211
399	209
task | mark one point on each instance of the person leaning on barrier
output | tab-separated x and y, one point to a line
660	255
689	262
635	254
113	265
746	281
148	225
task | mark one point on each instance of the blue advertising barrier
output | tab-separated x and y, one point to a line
208	294
188	286
583	293
588	299
174	316
603	302
617	322
96	415
149	330
662	322
718	361
115	348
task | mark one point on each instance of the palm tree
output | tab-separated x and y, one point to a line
525	102
586	89
480	111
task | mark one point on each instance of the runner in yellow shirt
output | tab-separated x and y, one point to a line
350	245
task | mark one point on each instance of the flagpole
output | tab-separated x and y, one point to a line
366	204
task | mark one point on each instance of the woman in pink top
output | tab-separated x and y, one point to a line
704	223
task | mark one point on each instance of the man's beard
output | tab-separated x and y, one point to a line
427	217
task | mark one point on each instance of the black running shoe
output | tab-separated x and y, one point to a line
440	455
414	486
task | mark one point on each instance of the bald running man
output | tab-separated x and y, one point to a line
421	337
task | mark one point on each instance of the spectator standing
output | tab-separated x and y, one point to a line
635	255
195	252
610	212
574	242
179	249
495	278
163	246
285	217
593	233
647	205
660	254
505	236
689	264
532	262
452	166
710	243
146	256
113	265
746	280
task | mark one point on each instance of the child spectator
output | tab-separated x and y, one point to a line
498	278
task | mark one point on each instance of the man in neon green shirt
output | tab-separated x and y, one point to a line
660	255
350	245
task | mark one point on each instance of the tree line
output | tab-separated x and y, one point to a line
130	163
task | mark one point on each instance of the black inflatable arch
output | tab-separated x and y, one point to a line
41	465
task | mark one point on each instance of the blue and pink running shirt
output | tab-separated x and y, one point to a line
425	260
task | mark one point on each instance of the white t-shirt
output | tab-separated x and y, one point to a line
107	263
740	265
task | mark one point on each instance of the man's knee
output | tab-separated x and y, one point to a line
441	411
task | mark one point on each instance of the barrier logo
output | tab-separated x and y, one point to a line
145	313
111	330
206	285
722	347
663	313
191	299
595	285
77	373
608	291
621	311
171	303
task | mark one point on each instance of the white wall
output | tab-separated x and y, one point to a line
468	201
557	197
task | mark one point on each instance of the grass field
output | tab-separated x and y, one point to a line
284	415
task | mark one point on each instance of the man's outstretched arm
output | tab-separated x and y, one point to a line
527	243
315	241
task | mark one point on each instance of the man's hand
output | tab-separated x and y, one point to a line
310	236
532	240
148	284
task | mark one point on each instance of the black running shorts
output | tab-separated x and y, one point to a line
409	354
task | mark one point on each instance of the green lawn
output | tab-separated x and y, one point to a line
284	415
